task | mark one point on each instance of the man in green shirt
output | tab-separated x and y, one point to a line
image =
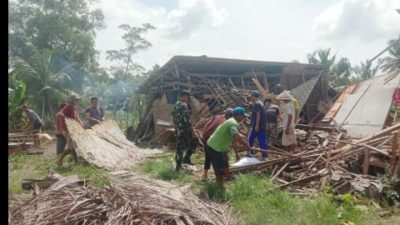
219	142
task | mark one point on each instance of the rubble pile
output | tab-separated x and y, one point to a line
325	157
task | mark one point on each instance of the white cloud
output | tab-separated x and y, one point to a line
364	20
192	16
259	30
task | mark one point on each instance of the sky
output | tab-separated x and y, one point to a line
267	30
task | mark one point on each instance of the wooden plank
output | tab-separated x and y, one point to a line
266	86
262	91
305	179
366	162
393	153
280	171
244	87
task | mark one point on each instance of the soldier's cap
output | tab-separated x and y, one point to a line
240	111
255	93
75	97
184	93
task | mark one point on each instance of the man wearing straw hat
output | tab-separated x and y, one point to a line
70	111
288	137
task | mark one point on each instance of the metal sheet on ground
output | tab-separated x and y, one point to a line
368	115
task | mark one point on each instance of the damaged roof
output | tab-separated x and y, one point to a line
364	112
212	65
303	91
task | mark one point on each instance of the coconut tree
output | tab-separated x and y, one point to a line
323	57
366	71
391	63
45	82
339	72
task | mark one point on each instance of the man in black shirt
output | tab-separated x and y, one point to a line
272	117
258	123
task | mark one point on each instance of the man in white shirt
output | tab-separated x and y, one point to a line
288	137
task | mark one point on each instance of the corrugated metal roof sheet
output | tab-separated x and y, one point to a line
365	111
303	91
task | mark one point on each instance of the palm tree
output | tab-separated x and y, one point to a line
322	56
339	72
366	71
44	81
16	98
391	64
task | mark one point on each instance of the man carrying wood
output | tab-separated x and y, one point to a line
209	129
35	123
272	117
288	137
94	114
219	142
258	123
70	111
184	130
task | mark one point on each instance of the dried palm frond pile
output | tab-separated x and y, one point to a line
106	146
129	199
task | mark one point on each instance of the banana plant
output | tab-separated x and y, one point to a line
46	82
16	98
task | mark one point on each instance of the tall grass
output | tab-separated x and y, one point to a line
36	167
250	196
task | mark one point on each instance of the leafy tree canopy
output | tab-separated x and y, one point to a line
67	27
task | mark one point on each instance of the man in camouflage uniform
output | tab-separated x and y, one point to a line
183	130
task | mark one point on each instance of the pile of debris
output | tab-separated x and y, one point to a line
105	146
326	158
162	129
128	199
26	142
216	83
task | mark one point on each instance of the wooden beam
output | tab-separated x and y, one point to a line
266	86
366	162
177	73
280	171
393	153
262	91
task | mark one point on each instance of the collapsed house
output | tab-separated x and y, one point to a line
217	83
355	141
349	139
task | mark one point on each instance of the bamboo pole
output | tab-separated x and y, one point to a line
393	153
280	171
366	162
